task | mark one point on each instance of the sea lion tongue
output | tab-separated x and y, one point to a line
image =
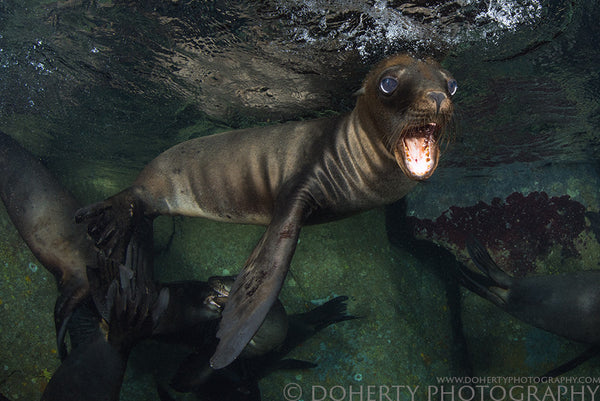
416	151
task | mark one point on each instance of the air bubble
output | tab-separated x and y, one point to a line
33	267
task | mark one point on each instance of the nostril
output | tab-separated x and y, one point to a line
438	98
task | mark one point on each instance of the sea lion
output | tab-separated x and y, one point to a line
565	304
114	306
192	304
239	380
132	308
289	175
42	211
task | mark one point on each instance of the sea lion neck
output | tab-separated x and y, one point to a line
362	168
364	147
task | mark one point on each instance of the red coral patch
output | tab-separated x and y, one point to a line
519	229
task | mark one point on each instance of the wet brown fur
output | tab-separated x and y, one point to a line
284	176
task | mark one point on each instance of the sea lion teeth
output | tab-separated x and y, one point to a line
420	150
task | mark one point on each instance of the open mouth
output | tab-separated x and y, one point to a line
417	150
221	286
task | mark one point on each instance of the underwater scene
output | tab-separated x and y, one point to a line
300	200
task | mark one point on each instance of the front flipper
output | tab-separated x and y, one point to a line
484	262
256	288
493	284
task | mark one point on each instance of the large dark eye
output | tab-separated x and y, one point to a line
388	85
452	86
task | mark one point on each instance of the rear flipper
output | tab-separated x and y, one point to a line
239	380
110	223
126	296
332	311
305	325
494	284
69	299
302	326
129	306
479	284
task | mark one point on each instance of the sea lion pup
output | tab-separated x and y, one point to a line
192	304
565	304
41	210
127	307
239	381
289	175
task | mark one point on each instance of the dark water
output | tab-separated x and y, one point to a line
97	89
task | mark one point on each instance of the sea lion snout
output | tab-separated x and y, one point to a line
438	98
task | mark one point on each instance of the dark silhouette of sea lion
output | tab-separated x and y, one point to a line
42	211
289	175
239	380
118	304
94	369
565	304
